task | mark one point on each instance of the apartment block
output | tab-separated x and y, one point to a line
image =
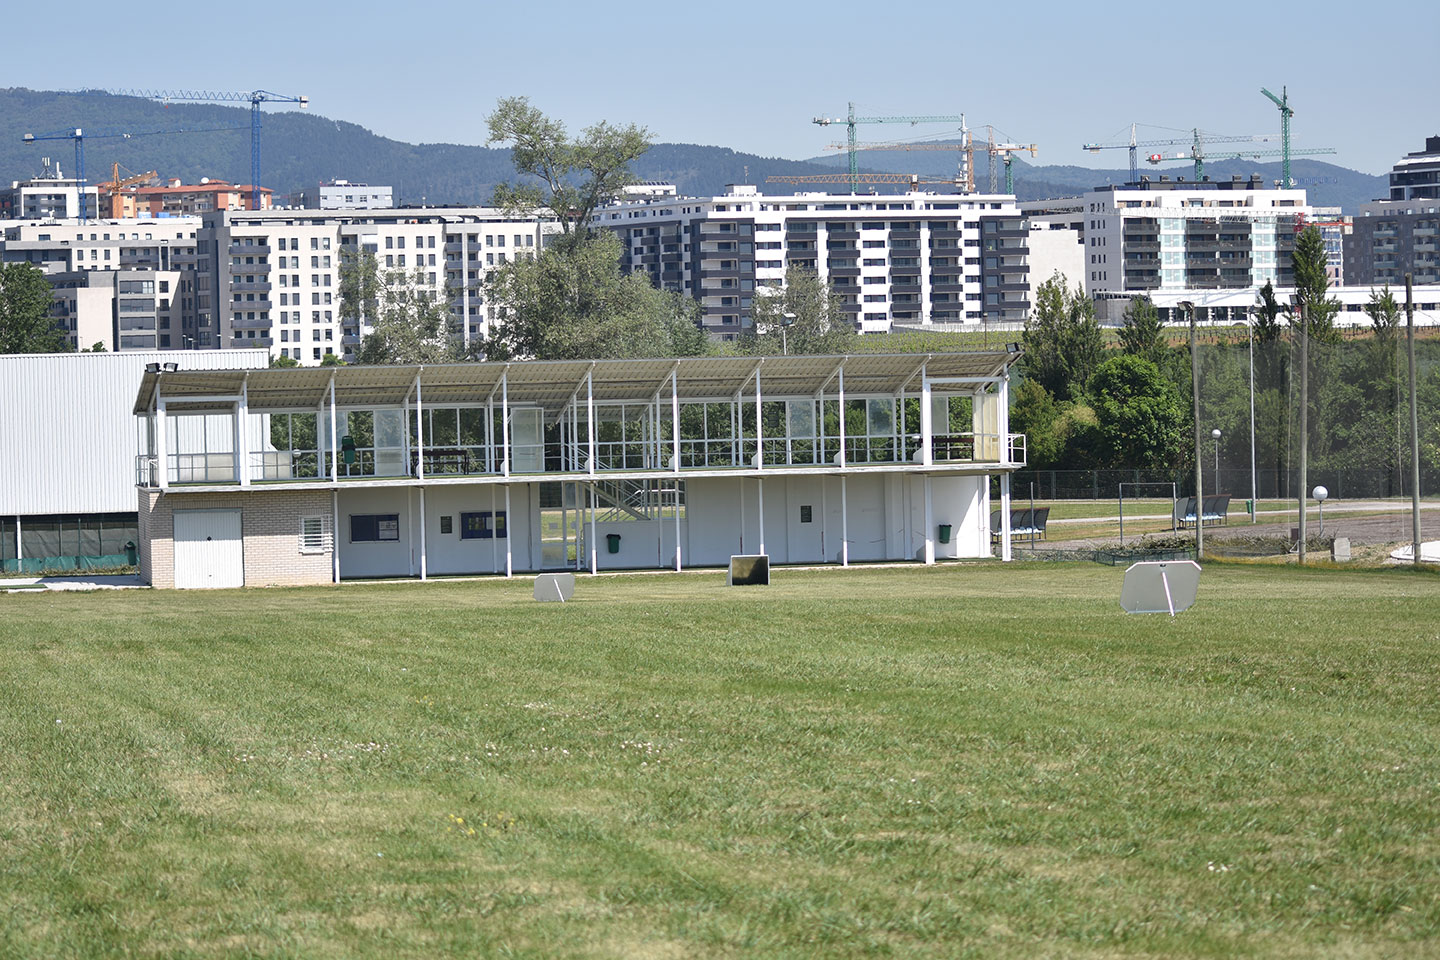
907	259
1168	235
344	195
274	275
128	284
1400	234
46	197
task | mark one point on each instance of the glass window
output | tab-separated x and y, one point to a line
483	526
374	527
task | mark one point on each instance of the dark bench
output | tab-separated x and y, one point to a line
1213	510
1025	523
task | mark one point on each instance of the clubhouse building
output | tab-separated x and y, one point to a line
256	477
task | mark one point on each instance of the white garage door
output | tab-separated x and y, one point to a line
208	549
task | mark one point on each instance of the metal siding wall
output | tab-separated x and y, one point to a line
67	436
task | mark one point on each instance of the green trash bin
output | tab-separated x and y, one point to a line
944	533
612	542
130	553
1250	508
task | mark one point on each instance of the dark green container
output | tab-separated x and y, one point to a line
944	533
612	542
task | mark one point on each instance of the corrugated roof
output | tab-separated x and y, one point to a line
551	383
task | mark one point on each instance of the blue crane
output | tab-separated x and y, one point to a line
850	120
79	135
254	98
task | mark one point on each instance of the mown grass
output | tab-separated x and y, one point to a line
973	761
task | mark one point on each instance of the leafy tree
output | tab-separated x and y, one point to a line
1384	315
1141	419
25	322
332	360
409	319
576	175
572	302
282	362
1312	286
805	316
1062	339
97	347
1141	332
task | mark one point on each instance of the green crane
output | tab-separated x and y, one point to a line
1283	102
850	120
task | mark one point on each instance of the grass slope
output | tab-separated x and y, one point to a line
958	761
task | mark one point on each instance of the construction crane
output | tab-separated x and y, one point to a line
858	178
1196	143
965	146
1283	102
254	98
1007	150
1286	155
116	186
850	120
79	135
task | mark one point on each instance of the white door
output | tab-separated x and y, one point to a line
209	552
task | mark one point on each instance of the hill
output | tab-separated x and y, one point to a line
302	149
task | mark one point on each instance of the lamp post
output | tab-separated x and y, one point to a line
1254	491
786	321
1189	309
1320	493
1299	305
1216	435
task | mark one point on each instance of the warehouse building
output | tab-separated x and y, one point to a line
67	454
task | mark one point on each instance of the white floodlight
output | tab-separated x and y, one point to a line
1164	586
1320	494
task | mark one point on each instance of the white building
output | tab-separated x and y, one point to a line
1172	235
48	196
344	195
275	275
911	259
67	445
296	476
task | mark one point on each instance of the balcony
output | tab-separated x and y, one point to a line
248	250
258	286
259	323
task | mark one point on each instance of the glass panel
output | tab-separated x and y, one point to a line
881	415
389	443
801	415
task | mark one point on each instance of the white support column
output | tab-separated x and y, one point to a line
929	523
675	441
759	440
419	445
494	541
334	440
1004	516
19	544
505	448
760	496
590	435
242	433
490	434
824	515
162	468
509	553
594	559
335	535
740	495
927	424
677	525
844	524
843	457
423	556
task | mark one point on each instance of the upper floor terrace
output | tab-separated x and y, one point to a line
477	422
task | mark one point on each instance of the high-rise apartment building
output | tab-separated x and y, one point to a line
1401	234
906	259
272	278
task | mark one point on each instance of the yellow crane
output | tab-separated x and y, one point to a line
115	187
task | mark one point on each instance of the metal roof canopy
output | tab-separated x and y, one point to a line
551	383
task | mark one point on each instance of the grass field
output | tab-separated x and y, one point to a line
973	761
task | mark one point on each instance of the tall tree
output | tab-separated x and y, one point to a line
1384	315
1266	313
1062	339
804	316
576	175
572	302
1312	285
1141	332
25	322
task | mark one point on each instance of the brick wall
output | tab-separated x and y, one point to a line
269	524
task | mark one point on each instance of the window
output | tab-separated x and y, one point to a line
483	526
374	527
313	534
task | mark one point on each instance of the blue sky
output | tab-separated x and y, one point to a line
751	75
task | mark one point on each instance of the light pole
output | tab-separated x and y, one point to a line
1299	305
1216	434
786	321
1189	309
1320	493
1254	492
